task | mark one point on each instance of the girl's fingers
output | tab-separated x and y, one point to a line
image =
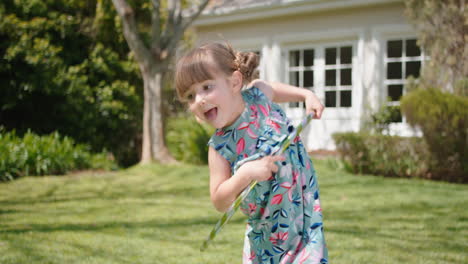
277	158
316	111
273	159
274	168
319	112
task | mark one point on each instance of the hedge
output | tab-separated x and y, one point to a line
443	119
34	155
383	155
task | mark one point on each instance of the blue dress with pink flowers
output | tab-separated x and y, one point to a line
284	213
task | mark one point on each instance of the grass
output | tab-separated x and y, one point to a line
161	214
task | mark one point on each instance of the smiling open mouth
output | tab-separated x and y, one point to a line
211	114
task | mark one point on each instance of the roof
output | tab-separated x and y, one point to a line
228	6
228	11
239	4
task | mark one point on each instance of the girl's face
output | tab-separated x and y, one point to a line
217	102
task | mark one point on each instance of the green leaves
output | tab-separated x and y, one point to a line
441	27
64	69
187	140
443	119
41	155
383	155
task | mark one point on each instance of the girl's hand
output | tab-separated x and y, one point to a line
261	169
313	105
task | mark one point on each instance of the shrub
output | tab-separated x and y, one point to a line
187	139
382	154
380	121
32	155
443	119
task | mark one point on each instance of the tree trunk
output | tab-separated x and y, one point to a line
153	62
146	144
154	146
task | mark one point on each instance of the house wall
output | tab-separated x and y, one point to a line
365	28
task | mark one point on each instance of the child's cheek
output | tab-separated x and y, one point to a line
199	119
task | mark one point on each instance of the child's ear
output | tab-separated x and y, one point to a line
237	80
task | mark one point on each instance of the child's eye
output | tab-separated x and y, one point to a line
207	87
189	97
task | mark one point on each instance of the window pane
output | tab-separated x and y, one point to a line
330	56
330	99
330	77
308	78
412	48
395	92
345	55
294	58
345	98
345	77
413	68
394	49
394	70
294	78
309	57
294	105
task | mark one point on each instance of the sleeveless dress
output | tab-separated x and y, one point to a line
284	213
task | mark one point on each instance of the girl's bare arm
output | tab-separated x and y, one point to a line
224	189
281	93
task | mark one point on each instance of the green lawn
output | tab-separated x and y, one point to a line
161	214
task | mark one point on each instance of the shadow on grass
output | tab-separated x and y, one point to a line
37	255
3	211
119	193
163	225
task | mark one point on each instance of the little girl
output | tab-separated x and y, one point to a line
284	213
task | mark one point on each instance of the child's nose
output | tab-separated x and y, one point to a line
199	99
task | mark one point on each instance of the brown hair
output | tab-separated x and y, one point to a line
204	62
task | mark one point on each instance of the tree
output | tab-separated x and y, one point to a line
442	27
153	57
64	68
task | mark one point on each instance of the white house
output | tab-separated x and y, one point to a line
354	54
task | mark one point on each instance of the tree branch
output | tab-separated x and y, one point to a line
130	31
155	24
181	22
174	10
193	15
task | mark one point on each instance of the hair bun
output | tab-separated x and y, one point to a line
247	63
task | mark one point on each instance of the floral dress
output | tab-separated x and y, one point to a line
284	213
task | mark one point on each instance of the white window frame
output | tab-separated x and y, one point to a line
382	34
301	69
403	60
319	69
338	67
355	37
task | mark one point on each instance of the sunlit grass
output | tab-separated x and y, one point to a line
161	214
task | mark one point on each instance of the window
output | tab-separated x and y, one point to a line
338	76
301	70
403	59
326	70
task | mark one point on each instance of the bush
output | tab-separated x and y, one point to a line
40	155
187	139
443	119
379	122
383	155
